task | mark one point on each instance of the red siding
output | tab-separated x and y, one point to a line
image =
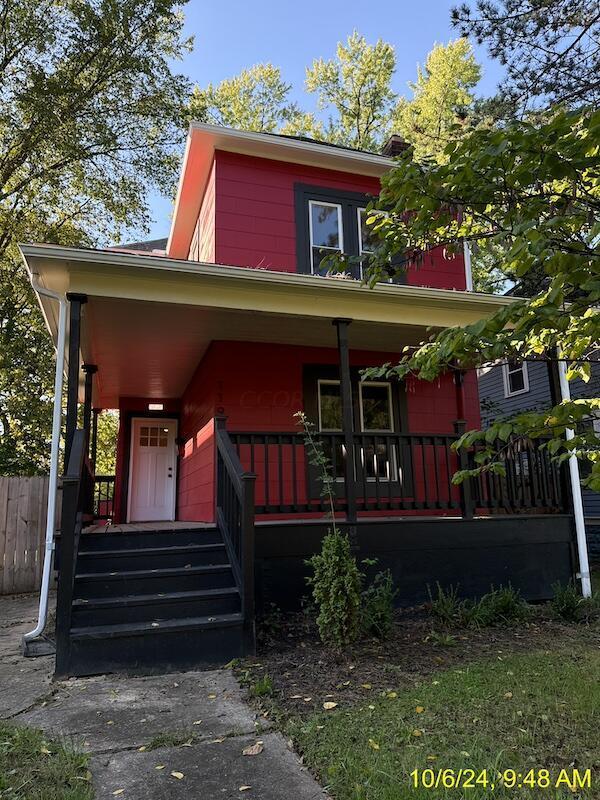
255	215
203	241
196	480
247	217
259	387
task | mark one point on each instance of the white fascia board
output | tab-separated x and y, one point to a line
270	278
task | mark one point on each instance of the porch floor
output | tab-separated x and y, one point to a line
134	527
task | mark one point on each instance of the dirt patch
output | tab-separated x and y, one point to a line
305	674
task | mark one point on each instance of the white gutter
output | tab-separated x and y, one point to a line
584	566
54	455
468	270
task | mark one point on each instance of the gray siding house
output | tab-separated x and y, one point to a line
507	389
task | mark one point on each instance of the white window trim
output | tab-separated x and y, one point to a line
339	249
326	382
505	375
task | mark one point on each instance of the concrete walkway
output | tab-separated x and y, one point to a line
139	731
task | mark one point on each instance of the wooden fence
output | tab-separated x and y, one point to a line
23	503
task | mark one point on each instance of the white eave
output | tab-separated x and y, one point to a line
204	139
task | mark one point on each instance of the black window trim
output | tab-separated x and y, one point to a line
349	201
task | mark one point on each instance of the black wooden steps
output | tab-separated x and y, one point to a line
158	606
146	648
150	601
145	581
136	558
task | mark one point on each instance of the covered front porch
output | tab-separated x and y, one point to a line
215	504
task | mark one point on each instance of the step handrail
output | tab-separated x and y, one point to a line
235	519
77	499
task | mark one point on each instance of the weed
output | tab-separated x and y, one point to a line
442	639
497	607
446	604
263	687
568	604
171	739
378	605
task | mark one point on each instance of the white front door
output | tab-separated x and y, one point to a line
152	470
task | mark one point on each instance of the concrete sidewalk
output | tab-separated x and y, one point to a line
139	731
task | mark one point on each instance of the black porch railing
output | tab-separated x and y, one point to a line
104	496
235	519
396	472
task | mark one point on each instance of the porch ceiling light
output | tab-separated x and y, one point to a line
156	406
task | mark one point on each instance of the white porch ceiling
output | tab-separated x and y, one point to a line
151	349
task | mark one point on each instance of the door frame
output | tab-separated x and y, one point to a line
149	418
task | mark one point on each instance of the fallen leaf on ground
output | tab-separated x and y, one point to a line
197	722
159	766
329	706
508	695
118	791
373	744
416	732
366	686
253	749
212	696
244	788
142	749
178	775
419	709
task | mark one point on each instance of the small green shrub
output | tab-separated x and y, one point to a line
446	604
498	606
336	587
378	605
568	603
263	687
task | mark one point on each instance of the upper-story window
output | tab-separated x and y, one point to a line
516	379
326	231
331	221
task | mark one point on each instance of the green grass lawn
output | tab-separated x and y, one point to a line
35	768
536	710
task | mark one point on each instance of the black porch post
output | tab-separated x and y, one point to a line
94	448
89	371
76	301
347	422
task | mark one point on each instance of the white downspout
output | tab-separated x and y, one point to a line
584	566
54	455
468	268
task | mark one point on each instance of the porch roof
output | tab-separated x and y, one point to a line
149	319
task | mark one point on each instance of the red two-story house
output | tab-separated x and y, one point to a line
208	346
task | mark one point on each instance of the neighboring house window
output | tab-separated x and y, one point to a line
516	379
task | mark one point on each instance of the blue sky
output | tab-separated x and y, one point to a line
236	34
